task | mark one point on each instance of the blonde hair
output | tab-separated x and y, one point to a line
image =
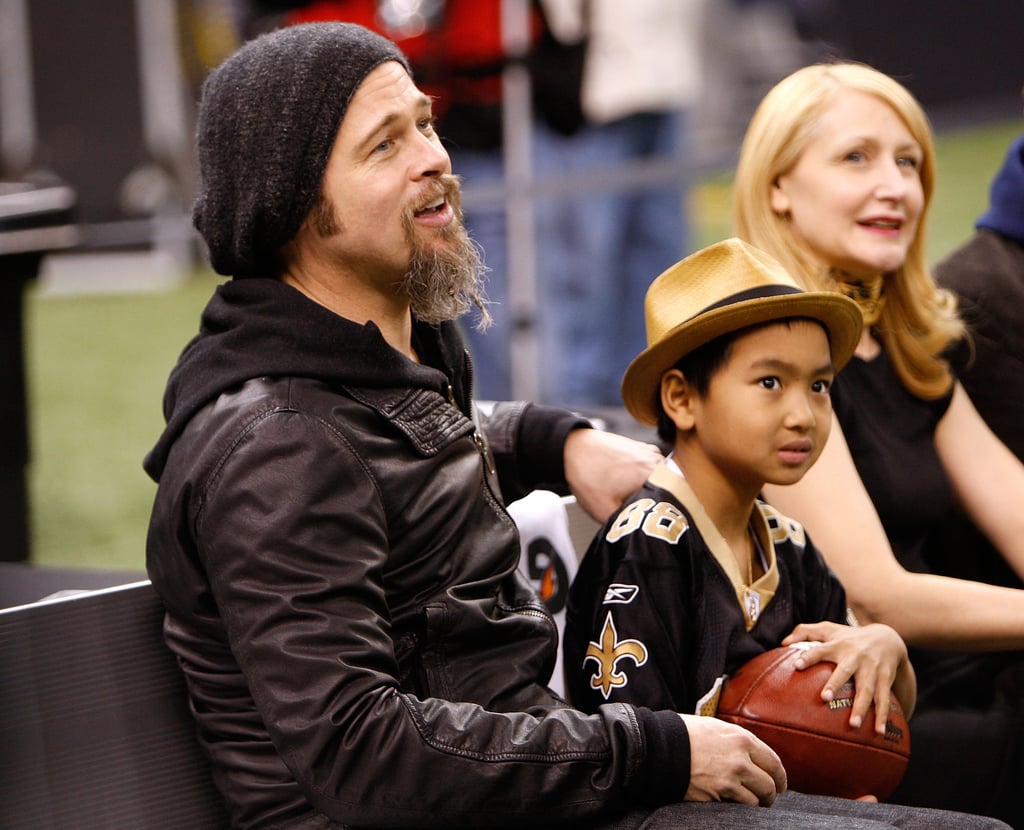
919	319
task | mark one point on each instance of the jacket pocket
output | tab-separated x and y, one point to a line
412	676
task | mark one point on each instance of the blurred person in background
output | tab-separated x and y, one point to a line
598	249
747	46
987	275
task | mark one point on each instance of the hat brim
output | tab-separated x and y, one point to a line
641	384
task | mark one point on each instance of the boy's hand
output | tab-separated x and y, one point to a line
874	655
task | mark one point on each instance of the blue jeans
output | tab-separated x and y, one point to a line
596	254
492	369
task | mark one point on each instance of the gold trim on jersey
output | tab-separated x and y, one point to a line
753	598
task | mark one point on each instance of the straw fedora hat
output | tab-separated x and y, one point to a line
727	286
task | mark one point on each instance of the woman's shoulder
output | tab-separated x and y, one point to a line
870	391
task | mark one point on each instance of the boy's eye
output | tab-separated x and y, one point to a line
770	383
821	385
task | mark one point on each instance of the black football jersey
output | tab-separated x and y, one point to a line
659	612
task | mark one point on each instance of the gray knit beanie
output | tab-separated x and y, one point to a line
268	118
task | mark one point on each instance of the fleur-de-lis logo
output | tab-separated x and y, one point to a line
608	653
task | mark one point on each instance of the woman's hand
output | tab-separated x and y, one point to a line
874	656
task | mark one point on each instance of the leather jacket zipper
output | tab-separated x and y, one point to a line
481	446
478	439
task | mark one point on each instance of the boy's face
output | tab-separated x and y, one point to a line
767	412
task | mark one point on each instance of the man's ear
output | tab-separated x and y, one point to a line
677	399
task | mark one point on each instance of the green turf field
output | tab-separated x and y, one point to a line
97	365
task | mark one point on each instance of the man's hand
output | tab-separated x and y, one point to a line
604	468
728	763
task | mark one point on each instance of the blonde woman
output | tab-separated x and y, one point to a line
835	176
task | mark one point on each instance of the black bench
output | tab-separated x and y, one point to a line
95	730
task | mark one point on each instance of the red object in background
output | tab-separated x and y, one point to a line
458	62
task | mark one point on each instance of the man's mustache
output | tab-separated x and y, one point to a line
447	186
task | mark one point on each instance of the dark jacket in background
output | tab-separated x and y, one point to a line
987	275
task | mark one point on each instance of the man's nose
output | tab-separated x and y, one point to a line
432	159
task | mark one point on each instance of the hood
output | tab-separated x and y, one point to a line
1005	214
263	328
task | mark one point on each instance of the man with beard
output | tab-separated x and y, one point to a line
329	533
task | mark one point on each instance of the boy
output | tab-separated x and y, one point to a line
695	575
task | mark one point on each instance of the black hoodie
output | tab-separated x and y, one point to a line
324	346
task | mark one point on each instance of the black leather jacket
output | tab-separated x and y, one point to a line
331	542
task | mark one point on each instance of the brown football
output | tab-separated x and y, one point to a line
821	752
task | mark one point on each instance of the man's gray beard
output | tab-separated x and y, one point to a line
445	278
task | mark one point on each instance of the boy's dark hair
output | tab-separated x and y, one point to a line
700	366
